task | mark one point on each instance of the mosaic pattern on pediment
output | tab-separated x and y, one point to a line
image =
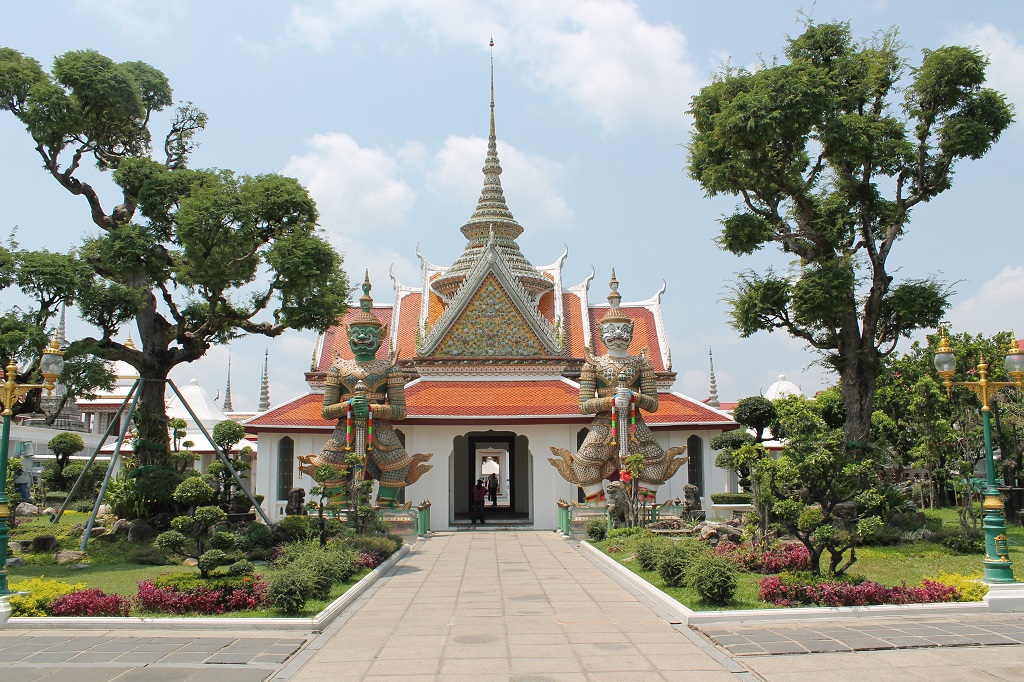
490	325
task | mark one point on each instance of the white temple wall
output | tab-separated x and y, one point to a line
545	488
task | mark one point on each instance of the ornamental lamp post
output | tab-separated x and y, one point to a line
997	559
50	365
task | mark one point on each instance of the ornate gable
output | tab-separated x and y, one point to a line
490	324
491	315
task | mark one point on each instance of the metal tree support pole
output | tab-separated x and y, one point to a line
110	467
220	453
54	518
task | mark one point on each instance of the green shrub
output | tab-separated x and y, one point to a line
288	589
676	559
241	567
193	492
210	560
41	593
300	527
257	536
731	498
648	553
385	545
597	530
157	485
627	532
973	544
55	498
222	540
713	579
171	540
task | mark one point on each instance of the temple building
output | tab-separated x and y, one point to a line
491	348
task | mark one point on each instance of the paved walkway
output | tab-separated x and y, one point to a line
144	656
486	606
870	635
525	606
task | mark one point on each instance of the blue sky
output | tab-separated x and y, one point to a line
380	107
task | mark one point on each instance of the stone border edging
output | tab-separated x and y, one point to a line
314	624
781	615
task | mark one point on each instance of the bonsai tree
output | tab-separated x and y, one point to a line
329	489
226	435
63	446
812	489
192	533
181	450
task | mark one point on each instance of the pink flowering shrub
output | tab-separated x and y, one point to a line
783	557
368	558
92	602
246	593
788	590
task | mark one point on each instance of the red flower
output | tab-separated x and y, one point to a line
625	476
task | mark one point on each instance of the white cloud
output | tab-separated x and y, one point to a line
996	305
1006	72
528	181
600	54
129	15
357	189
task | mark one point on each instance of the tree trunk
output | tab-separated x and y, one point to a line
152	443
859	377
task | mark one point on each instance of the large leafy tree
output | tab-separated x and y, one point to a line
828	161
193	257
47	282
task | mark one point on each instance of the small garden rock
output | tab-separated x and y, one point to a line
49	511
107	537
121	526
26	509
69	556
44	543
97	532
140	532
190	562
15	562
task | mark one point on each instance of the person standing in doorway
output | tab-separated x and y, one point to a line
492	489
479	497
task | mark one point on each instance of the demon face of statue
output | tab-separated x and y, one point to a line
616	336
364	339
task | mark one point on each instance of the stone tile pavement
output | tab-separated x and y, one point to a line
525	606
505	606
91	656
867	635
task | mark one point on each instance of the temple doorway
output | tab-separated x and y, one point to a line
506	454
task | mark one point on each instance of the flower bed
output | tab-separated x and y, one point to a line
795	590
207	597
782	557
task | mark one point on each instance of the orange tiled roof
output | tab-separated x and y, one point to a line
301	412
336	338
675	408
489	398
506	400
573	324
408	321
645	333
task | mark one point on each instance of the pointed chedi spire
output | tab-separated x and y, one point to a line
265	384
713	390
492	214
227	390
62	335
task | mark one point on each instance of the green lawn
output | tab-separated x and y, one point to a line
891	565
113	566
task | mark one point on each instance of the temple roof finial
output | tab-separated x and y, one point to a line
265	384
228	407
492	213
713	389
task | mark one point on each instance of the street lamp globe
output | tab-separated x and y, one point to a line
1015	361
